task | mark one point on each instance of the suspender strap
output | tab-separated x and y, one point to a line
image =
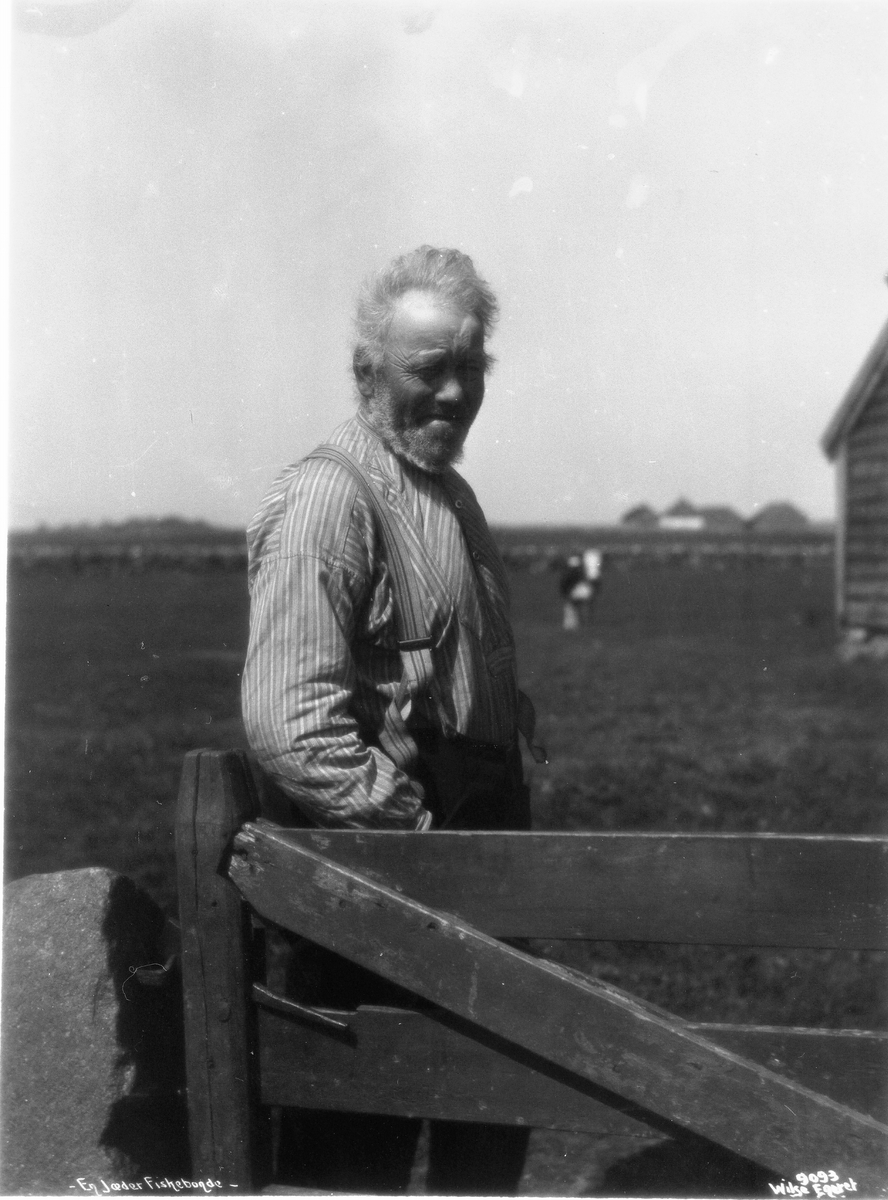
412	628
414	641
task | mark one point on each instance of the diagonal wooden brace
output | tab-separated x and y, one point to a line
597	1031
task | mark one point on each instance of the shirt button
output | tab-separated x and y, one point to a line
459	503
475	555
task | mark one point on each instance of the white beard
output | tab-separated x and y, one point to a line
429	449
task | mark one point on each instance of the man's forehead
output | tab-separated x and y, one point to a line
424	317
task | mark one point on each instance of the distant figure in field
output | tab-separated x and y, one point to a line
580	582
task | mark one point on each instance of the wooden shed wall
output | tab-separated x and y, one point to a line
864	570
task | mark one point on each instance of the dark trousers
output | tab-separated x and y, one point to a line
467	787
357	1152
353	1152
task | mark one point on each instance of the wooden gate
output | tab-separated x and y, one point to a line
509	1037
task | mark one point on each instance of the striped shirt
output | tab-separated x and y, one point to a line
323	667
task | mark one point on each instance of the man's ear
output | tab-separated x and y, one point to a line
365	376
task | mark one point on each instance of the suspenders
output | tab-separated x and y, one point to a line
412	628
414	640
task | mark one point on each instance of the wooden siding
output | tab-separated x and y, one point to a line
864	569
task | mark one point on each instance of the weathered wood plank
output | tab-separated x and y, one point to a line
716	889
866	503
874	547
848	1065
869	446
866	517
867	614
864	524
871	572
859	571
866	590
419	1064
873	423
871	466
412	1065
874	415
214	799
865	509
581	1025
873	606
870	437
867	481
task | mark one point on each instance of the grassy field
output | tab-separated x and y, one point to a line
699	698
712	700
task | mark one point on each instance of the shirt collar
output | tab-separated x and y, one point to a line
387	461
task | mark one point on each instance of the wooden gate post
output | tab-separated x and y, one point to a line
215	797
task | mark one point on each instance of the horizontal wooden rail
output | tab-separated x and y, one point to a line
577	1024
429	1064
706	889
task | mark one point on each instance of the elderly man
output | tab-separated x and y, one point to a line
358	725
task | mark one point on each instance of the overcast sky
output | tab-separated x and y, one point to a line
683	209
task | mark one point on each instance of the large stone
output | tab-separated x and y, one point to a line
90	1056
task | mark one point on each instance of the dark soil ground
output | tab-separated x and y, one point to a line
698	698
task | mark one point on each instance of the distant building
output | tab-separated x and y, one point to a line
682	516
640	517
719	518
685	517
856	440
781	517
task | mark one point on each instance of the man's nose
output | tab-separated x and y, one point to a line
451	389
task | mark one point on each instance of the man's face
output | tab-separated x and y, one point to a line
429	389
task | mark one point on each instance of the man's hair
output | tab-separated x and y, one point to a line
447	274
